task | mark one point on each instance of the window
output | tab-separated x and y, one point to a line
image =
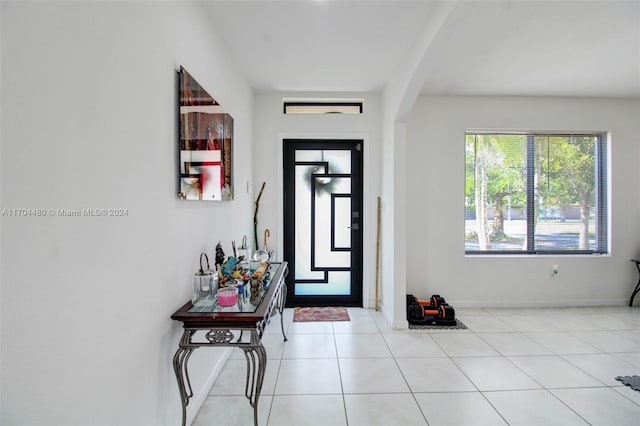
324	106
535	193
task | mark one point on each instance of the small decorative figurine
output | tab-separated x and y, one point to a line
219	254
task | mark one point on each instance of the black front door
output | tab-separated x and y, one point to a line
323	221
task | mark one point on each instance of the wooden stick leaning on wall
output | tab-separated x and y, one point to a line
255	218
378	257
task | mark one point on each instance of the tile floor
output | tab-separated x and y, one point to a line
512	366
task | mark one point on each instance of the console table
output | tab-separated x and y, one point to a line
225	326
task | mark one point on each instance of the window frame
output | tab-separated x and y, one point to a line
303	107
601	174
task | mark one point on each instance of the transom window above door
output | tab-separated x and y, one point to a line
322	106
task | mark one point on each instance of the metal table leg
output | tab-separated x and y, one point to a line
637	262
256	357
281	303
180	360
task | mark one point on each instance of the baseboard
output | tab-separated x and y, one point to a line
552	303
198	399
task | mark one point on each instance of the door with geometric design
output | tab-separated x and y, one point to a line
323	221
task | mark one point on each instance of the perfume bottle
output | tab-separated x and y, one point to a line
205	285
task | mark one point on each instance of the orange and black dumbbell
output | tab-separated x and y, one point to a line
435	312
433	302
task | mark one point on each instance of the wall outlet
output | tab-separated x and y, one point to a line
555	269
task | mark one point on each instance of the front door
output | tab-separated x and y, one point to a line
323	222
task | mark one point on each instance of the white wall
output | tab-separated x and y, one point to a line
272	126
89	121
398	98
435	176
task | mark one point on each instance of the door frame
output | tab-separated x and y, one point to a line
365	274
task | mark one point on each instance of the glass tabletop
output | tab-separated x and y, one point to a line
250	294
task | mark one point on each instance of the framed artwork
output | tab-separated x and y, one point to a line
205	144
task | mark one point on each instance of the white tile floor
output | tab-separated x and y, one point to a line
512	366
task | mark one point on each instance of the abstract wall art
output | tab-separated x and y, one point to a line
205	144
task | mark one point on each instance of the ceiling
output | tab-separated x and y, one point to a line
477	47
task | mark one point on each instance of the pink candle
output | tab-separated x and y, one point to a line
227	296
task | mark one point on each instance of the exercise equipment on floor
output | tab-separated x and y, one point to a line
435	311
433	302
